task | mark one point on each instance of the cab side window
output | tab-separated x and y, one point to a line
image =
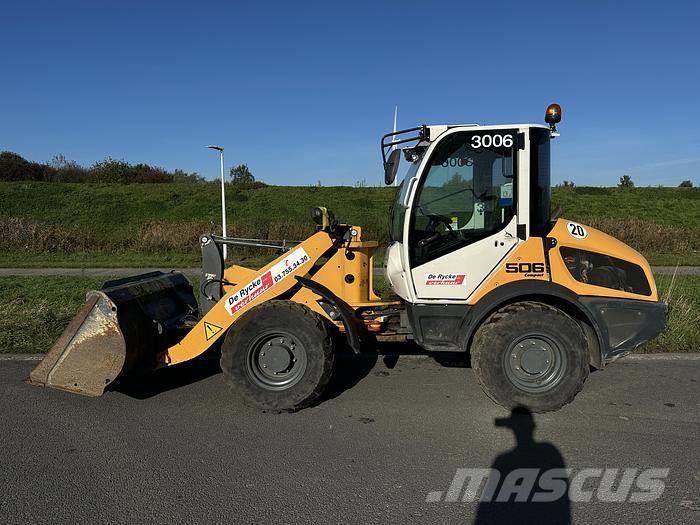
467	195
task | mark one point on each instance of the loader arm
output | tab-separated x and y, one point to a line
271	281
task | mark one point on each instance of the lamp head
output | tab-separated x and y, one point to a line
553	116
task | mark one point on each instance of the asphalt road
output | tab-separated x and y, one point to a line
185	450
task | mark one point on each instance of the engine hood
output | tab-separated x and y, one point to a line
577	235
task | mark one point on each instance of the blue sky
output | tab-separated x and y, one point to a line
302	91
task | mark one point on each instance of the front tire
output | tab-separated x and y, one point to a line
279	356
530	354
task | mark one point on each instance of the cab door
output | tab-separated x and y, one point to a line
463	217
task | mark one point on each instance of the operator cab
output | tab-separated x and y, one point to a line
470	193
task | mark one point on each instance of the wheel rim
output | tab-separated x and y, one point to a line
535	363
276	360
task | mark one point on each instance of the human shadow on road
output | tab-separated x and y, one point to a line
551	497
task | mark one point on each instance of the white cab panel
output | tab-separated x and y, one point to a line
456	275
394	272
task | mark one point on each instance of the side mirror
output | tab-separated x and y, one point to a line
391	166
324	218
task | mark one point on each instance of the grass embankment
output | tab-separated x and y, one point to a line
93	225
36	310
159	224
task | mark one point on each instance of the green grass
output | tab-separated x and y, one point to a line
98	259
112	214
36	310
682	333
669	206
158	224
673	259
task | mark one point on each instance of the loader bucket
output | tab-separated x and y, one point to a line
119	332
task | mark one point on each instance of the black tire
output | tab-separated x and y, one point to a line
279	356
530	354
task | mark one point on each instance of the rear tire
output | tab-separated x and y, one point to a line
279	356
530	354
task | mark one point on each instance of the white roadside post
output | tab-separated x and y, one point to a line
220	149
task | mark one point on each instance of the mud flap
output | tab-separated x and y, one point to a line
119	332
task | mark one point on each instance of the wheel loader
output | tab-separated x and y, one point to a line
477	260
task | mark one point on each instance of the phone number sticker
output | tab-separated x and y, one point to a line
261	284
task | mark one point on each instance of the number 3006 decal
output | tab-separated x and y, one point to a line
488	141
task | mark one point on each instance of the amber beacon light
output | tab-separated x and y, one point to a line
553	116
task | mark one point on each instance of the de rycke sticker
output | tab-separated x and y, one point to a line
576	230
444	279
261	284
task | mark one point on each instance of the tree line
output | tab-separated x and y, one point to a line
625	182
14	167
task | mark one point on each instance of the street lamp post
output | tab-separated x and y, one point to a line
220	149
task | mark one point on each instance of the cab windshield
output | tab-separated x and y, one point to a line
467	193
398	210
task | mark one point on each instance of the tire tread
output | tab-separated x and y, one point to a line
260	398
494	323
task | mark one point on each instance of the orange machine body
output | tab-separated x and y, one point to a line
345	269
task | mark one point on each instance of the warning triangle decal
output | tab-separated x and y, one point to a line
210	330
